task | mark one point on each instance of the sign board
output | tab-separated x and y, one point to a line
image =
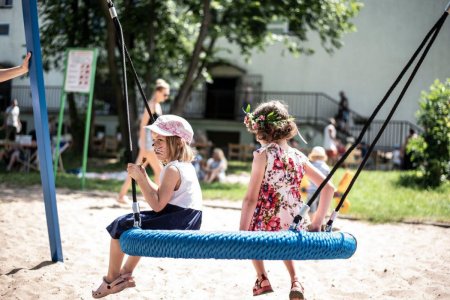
79	70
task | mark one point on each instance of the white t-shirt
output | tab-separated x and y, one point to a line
189	194
12	118
329	134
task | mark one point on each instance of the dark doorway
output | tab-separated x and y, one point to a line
5	94
221	139
221	98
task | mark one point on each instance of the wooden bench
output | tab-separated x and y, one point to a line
242	152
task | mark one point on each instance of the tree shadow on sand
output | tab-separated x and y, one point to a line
37	267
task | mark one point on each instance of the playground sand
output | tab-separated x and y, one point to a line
393	261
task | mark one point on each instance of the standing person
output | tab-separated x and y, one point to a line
343	115
318	159
405	155
160	94
12	122
176	203
330	142
273	196
396	158
216	167
7	74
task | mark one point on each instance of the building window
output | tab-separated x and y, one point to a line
6	3
4	29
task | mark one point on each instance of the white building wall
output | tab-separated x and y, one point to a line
388	33
13	46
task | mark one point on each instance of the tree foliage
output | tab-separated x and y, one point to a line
176	39
431	151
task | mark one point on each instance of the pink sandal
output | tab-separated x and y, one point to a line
119	284
296	291
258	289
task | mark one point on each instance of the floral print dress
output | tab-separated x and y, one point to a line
279	198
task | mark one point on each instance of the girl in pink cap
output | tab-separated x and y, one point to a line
175	203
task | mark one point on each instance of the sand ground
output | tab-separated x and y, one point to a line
393	261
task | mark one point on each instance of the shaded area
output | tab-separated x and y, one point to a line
37	267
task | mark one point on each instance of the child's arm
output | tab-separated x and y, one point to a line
6	74
251	198
156	197
325	196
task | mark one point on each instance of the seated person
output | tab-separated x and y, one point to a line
198	164
16	156
12	154
216	167
5	153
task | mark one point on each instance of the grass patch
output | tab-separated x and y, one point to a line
384	197
377	196
228	191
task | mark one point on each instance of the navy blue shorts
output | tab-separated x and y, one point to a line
172	217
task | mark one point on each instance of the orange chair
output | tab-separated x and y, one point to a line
342	186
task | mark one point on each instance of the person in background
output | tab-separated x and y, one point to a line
406	157
12	124
7	74
343	115
318	159
330	141
160	94
396	158
197	162
216	167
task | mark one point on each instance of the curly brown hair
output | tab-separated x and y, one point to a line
270	122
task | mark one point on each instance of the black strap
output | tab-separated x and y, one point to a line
434	31
130	156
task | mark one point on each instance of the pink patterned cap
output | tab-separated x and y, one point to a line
172	125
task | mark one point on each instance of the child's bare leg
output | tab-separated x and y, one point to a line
12	160
213	175
291	269
130	264
124	190
260	270
115	260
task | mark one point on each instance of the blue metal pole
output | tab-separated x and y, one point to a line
30	20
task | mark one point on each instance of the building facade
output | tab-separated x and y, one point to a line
388	32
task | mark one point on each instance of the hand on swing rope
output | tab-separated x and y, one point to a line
137	170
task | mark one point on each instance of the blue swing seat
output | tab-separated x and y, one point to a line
195	244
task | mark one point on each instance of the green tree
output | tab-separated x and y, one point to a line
431	150
69	24
176	39
244	23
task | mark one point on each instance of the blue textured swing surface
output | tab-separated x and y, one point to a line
282	245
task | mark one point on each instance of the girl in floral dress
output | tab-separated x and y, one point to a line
273	197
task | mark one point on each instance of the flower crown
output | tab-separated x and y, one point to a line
262	121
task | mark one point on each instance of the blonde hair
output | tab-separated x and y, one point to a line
161	84
283	127
178	149
220	153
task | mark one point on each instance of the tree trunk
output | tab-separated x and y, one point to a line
76	125
149	76
186	86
